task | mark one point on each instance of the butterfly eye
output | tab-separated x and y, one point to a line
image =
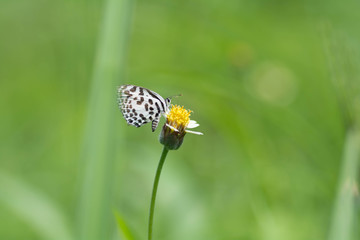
168	101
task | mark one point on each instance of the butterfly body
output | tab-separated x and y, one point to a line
140	105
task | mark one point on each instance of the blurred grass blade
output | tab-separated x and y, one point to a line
344	69
344	213
33	207
98	147
123	227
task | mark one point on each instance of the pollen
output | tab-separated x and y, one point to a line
178	117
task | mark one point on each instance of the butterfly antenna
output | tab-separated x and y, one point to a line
174	96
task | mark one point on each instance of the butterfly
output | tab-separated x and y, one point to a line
140	105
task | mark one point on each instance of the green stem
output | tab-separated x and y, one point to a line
153	195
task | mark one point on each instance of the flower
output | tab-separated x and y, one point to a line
175	128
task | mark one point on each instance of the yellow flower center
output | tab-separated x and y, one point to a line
178	117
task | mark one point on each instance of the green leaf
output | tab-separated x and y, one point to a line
344	213
123	227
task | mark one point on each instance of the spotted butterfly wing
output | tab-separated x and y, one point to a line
140	105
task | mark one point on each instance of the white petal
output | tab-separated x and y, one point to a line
193	132
172	128
192	124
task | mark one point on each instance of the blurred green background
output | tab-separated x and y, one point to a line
273	85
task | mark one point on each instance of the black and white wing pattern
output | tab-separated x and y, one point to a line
140	105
